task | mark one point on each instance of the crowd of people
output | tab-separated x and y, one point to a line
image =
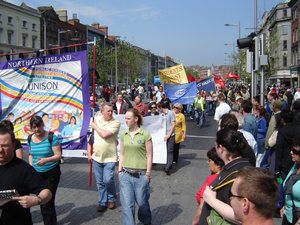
259	146
256	157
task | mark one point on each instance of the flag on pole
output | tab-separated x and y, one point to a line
173	75
181	93
207	85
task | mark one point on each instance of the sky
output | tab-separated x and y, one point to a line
192	32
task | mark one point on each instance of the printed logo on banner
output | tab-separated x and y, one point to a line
179	93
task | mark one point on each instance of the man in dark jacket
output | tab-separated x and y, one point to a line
120	105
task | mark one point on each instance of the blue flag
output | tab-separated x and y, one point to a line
181	93
207	85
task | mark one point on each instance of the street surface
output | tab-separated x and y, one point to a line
172	198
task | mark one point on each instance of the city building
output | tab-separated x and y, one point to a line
279	44
295	62
19	30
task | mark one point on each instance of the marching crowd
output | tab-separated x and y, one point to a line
251	136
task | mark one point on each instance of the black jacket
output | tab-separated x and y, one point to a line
283	147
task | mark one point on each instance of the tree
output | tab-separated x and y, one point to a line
128	60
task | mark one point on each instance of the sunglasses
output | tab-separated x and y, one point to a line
232	195
295	152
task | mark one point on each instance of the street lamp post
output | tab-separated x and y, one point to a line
235	25
116	62
116	67
59	32
228	44
239	36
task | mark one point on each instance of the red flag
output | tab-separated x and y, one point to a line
231	75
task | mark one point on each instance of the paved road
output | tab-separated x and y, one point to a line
172	198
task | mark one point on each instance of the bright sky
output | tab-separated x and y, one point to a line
190	31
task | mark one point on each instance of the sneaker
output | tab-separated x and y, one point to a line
101	208
112	205
167	172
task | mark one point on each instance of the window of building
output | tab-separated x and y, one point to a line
284	45
10	37
284	61
285	13
295	15
0	18
9	20
34	38
284	30
24	24
24	40
33	26
1	31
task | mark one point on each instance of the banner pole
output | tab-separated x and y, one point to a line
93	104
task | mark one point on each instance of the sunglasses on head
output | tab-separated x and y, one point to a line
295	152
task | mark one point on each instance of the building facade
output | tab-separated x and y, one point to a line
279	46
295	23
19	29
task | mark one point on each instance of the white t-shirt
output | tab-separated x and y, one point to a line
222	109
118	105
297	95
250	139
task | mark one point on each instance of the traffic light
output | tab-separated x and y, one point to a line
247	42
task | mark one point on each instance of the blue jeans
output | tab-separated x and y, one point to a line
105	180
200	117
134	189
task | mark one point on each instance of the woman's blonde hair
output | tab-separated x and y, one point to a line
178	105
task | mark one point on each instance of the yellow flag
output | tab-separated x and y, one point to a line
173	75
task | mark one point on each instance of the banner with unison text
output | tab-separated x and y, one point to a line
54	87
173	75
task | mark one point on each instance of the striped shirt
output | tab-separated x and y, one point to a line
43	150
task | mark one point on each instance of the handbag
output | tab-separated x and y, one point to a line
273	138
296	212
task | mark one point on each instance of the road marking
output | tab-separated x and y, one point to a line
194	136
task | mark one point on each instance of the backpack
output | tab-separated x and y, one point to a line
50	138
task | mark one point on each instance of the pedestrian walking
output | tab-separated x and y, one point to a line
104	156
180	130
135	164
44	156
170	134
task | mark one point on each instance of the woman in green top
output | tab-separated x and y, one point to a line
135	164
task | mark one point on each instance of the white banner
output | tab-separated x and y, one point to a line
156	125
